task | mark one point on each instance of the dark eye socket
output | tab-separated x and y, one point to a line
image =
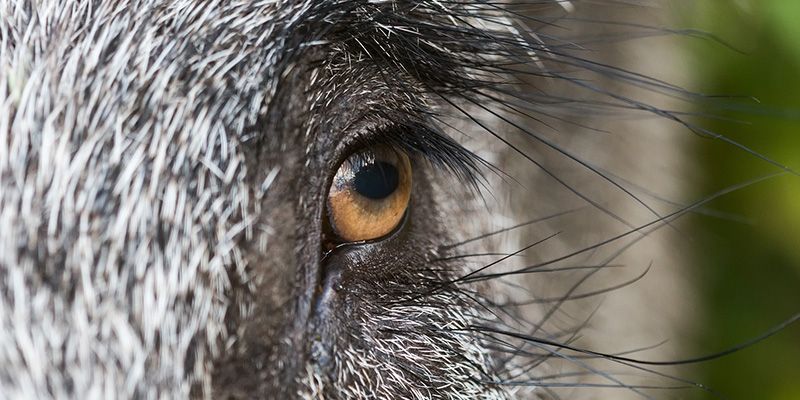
369	194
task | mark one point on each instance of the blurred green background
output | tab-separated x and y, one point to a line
749	262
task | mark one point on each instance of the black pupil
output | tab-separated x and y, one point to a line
377	180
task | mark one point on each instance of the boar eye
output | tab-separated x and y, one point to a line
369	194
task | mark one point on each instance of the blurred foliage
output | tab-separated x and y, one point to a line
749	260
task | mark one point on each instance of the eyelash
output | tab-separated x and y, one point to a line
420	141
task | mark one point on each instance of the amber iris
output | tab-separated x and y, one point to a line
369	194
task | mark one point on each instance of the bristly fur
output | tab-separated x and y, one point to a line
123	186
150	150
